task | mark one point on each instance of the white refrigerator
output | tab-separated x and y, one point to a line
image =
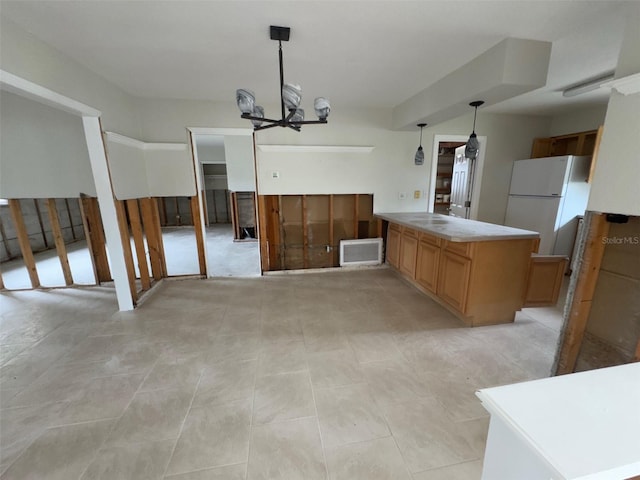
547	195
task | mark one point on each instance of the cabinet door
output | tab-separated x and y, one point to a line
408	254
427	266
453	280
544	280
541	147
393	247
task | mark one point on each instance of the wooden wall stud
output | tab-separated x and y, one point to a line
138	240
23	240
61	248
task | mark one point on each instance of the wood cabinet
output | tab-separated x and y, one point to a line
408	252
545	280
482	282
428	263
580	143
393	245
453	281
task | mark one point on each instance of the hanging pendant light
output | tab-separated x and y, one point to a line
471	149
419	159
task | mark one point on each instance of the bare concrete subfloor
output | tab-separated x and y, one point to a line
226	258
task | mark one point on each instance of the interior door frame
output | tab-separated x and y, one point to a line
192	131
477	175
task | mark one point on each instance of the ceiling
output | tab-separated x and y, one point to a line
356	53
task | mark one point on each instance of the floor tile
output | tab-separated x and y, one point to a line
231	472
374	346
142	461
394	381
60	453
100	398
151	416
226	382
426	437
287	451
462	471
282	358
283	397
335	368
213	435
348	415
372	460
174	372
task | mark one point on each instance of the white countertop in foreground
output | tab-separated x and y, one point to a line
457	229
584	426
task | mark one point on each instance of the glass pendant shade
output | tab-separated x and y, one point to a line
322	107
419	158
258	111
291	95
298	116
246	100
471	149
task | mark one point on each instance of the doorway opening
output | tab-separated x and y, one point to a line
455	183
225	169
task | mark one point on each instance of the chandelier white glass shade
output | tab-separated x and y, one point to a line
292	116
419	158
472	146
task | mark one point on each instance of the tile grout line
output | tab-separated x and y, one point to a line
253	402
184	420
322	447
115	422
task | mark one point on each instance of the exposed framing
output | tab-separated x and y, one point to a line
59	241
590	253
99	167
23	240
138	240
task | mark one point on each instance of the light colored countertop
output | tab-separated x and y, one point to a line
584	425
457	229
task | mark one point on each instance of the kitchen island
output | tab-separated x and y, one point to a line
479	271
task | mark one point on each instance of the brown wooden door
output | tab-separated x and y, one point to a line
427	266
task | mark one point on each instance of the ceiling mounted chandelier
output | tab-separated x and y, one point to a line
292	116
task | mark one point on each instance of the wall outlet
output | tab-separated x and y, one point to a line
275	174
416	194
402	195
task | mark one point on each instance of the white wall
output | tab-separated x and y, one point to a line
580	120
240	170
43	152
169	171
385	172
210	153
24	55
615	181
128	169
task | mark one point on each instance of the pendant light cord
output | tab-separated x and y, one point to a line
420	136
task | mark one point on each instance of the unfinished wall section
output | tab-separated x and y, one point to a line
36	218
613	328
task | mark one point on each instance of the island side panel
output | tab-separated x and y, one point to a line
498	280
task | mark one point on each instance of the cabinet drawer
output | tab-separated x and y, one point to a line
395	226
432	239
409	232
460	248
